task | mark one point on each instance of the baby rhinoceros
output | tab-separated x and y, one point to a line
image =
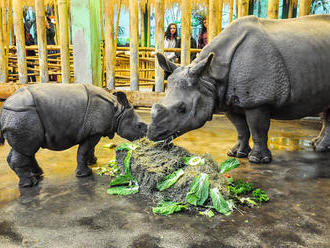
57	117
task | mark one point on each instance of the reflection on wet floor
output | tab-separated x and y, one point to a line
64	211
215	138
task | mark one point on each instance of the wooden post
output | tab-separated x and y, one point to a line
148	24
186	32
10	22
220	8
42	41
305	7
20	41
273	6
212	20
3	59
142	31
243	8
57	22
64	40
110	47
117	25
159	42
231	10
134	43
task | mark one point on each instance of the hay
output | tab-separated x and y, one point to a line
151	162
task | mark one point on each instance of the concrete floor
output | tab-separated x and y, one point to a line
63	211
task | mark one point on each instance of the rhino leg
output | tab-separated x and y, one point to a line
84	156
23	166
91	157
242	148
322	142
258	120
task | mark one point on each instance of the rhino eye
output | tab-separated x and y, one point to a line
181	108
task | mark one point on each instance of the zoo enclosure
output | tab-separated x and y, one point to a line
108	65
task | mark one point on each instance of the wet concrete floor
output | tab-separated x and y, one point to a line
63	211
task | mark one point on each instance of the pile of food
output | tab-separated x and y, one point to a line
176	179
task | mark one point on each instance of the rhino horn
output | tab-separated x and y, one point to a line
201	66
165	63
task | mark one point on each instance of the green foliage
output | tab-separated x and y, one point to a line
121	180
209	213
169	180
219	203
123	190
228	165
167	207
126	147
127	161
199	190
247	201
239	187
195	160
260	195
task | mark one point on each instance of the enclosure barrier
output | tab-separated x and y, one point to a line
132	66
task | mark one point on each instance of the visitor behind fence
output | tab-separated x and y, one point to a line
202	39
29	41
193	44
171	40
50	36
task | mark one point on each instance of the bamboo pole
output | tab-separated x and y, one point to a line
142	31
148	24
64	40
305	7
159	42
243	8
10	22
212	20
110	47
3	59
117	24
273	6
42	42
57	22
220	8
231	10
290	14
134	43
101	19
185	32
20	41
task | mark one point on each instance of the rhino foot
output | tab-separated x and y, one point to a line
28	182
260	157
37	171
239	153
84	172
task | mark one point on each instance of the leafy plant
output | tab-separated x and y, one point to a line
123	190
199	190
260	195
228	165
126	147
169	180
167	207
219	203
121	180
209	213
239	187
196	160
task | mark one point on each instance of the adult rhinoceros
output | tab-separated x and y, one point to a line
255	70
59	116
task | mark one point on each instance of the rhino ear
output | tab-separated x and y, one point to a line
165	63
201	66
122	99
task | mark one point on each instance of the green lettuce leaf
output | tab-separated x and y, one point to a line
260	195
219	203
121	180
126	147
123	190
127	163
209	213
169	180
199	190
167	207
228	165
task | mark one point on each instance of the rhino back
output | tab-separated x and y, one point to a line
61	109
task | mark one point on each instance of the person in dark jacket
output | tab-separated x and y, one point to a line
193	44
202	39
50	36
29	41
